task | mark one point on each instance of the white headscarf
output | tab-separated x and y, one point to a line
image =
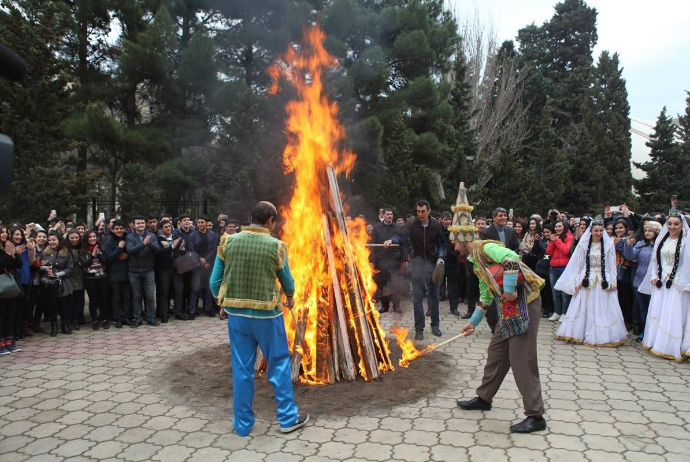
682	273
573	273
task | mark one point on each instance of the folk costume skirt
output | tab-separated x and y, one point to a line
594	319
666	333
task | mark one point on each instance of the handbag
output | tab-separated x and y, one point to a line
8	286
187	262
49	286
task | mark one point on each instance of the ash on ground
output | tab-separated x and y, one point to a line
203	380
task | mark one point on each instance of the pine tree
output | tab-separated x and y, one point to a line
684	135
665	172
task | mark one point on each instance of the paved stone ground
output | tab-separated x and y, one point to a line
87	397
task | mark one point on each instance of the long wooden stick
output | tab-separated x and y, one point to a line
382	245
452	339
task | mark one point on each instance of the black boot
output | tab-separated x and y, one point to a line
53	328
65	328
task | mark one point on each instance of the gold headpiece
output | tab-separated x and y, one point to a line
462	228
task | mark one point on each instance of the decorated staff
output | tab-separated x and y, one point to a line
502	276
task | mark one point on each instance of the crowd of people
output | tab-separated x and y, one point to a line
605	276
135	272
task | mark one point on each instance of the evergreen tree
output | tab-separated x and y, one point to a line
44	175
665	172
683	132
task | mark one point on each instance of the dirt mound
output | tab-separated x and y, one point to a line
203	380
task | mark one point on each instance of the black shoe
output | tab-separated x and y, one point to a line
181	317
636	329
152	323
529	425
436	331
467	315
136	324
125	322
384	310
105	324
455	313
65	328
302	419
164	320
475	404
96	325
547	315
53	328
118	324
428	313
191	317
210	314
419	334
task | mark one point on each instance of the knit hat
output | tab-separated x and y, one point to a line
462	228
653	225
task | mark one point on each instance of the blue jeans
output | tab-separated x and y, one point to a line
561	300
245	334
200	287
143	284
421	282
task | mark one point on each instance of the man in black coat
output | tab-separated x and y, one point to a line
498	231
387	262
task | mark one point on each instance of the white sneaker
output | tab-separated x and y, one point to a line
555	317
561	318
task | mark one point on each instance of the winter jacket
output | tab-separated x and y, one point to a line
641	252
9	263
194	244
118	270
94	267
392	256
559	251
167	256
141	257
62	265
78	272
427	242
451	255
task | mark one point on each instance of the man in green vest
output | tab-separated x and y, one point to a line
244	283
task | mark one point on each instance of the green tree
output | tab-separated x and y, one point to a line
44	175
665	174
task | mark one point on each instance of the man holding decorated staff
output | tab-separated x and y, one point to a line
244	283
503	277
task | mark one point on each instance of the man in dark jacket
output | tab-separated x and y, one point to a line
425	237
498	231
116	256
203	241
387	262
169	243
183	282
142	245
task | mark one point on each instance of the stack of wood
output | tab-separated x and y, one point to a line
349	342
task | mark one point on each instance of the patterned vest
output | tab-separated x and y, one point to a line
252	259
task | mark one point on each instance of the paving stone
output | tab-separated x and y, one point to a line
174	453
73	432
525	455
337	450
41	446
198	439
374	451
73	448
139	452
134	435
104	433
350	435
105	449
411	452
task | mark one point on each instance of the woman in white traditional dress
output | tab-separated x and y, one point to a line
594	317
668	282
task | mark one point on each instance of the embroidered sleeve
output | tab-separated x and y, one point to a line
221	247
510	275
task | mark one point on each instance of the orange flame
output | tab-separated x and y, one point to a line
315	141
409	351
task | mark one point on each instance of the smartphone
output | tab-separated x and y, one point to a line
101	216
53	212
614	209
510	212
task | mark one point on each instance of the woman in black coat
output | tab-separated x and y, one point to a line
55	283
10	261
